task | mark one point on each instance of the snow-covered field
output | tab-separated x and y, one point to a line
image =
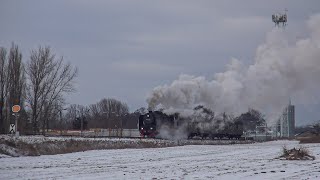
247	161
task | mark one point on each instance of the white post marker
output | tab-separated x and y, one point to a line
12	129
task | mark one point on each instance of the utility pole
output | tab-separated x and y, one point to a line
266	131
107	122
255	135
81	119
61	120
60	123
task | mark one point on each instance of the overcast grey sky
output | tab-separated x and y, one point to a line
124	48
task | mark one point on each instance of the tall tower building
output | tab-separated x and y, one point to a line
287	121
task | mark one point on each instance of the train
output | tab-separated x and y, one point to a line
152	123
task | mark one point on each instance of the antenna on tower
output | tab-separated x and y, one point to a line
289	101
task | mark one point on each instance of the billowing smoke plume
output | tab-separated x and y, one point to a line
280	71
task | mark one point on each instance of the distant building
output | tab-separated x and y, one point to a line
287	122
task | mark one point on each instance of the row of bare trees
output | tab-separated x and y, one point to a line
107	113
313	129
38	86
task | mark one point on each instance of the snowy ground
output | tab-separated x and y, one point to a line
250	161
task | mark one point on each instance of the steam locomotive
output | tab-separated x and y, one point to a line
151	123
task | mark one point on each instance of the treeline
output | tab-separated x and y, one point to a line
106	114
38	84
313	129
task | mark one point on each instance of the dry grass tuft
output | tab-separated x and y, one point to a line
301	153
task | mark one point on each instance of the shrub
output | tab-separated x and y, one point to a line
296	154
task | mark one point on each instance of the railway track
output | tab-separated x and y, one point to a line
150	138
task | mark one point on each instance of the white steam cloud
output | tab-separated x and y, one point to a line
280	71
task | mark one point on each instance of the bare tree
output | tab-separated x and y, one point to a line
15	80
78	115
113	109
48	80
12	84
316	129
108	113
96	117
3	82
252	119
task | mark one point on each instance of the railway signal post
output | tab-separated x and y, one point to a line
15	109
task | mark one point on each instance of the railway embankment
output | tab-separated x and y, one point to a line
41	145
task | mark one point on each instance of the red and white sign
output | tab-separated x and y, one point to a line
16	108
